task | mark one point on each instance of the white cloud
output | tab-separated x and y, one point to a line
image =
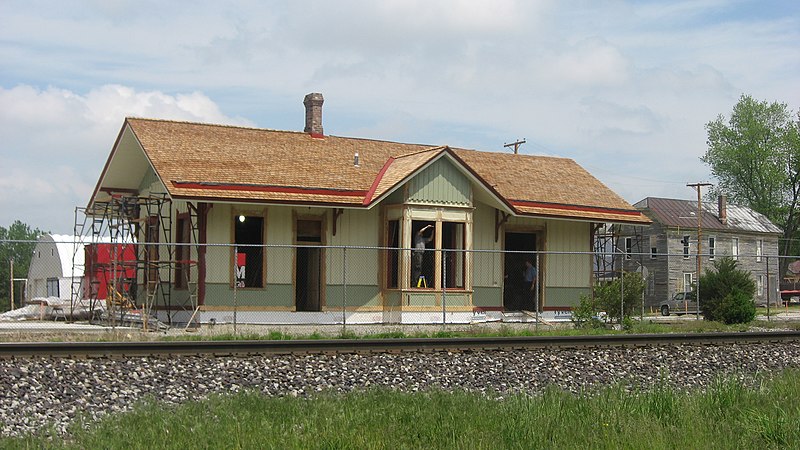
56	141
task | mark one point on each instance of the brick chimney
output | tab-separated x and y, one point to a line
313	104
722	203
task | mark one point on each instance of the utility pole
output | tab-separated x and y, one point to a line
697	187
515	144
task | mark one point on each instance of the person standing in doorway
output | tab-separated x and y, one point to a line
530	281
420	242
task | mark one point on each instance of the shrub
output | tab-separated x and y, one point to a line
585	314
725	291
607	298
736	307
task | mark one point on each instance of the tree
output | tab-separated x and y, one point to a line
726	293
755	157
21	252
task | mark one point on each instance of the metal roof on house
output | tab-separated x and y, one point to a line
226	163
683	214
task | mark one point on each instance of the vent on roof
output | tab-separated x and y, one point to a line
356	160
313	103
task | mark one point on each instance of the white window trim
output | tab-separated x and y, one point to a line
712	249
687	246
759	249
627	247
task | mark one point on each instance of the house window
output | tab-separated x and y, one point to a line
52	287
760	286
423	260
182	252
152	254
685	242
453	255
653	247
628	247
393	254
735	248
249	240
759	249
712	242
687	282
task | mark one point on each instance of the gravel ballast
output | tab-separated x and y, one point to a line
51	392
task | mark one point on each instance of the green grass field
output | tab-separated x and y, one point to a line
728	415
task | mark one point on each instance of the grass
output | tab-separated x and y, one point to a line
727	415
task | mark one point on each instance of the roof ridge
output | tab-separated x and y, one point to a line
243	127
512	154
418	152
216	125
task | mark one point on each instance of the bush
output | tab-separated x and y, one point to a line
585	314
607	298
726	293
736	307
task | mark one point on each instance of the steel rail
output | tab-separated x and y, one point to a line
334	346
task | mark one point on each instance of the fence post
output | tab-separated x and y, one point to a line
621	288
344	291
235	284
11	280
536	292
444	288
768	290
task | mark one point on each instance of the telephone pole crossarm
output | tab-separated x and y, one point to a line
516	145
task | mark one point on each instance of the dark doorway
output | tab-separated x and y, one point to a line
249	239
308	266
516	293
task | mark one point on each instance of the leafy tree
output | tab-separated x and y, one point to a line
21	252
726	293
755	157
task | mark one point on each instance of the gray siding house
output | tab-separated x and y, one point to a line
666	251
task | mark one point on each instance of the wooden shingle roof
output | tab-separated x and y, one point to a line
228	163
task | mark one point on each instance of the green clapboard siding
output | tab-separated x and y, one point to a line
441	183
393	298
487	296
273	295
357	296
565	296
456	299
421	299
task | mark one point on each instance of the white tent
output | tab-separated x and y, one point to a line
55	261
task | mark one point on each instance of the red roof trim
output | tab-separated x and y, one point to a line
268	188
595	209
377	181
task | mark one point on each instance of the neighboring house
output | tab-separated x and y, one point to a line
236	185
65	267
667	249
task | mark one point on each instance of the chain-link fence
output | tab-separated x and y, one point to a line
331	289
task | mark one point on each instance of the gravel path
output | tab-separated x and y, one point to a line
53	391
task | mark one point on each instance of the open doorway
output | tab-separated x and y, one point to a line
516	292
308	266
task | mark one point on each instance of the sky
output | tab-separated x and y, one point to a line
624	88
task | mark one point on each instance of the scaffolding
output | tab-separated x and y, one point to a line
611	259
131	279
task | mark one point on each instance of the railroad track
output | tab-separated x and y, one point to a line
334	346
